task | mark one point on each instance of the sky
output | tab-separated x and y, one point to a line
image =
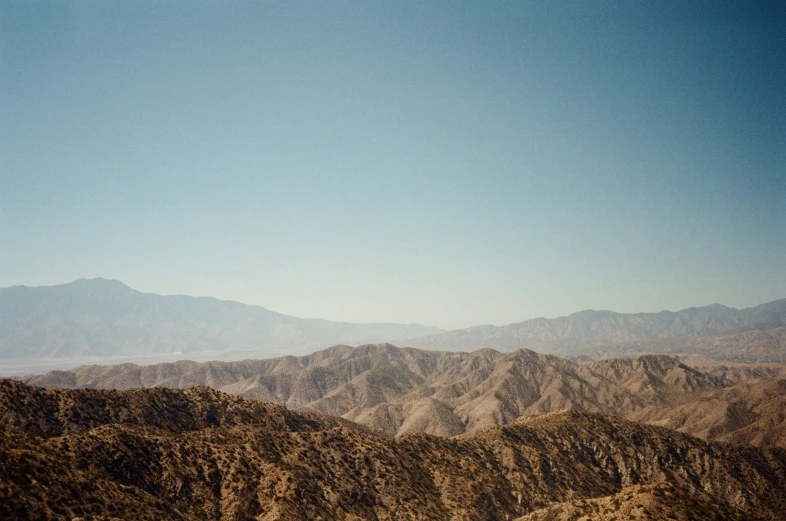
446	163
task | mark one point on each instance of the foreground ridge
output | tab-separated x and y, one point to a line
200	454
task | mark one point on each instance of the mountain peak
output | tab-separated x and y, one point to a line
99	283
104	317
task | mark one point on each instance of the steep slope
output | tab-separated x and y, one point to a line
746	413
587	331
734	372
661	502
106	318
138	470
654	378
54	412
399	391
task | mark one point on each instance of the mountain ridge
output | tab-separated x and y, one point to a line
132	467
590	328
99	317
94	318
407	390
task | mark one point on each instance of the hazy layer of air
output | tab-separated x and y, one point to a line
433	162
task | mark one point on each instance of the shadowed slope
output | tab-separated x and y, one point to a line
55	412
239	471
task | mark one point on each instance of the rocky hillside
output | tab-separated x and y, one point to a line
55	412
106	318
662	501
746	413
297	466
592	333
400	391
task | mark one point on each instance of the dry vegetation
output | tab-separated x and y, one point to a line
200	454
662	501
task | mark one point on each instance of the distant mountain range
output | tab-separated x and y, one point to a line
99	317
105	318
603	334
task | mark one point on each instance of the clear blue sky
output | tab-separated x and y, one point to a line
448	163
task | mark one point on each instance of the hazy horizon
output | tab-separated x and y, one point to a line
435	163
420	323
